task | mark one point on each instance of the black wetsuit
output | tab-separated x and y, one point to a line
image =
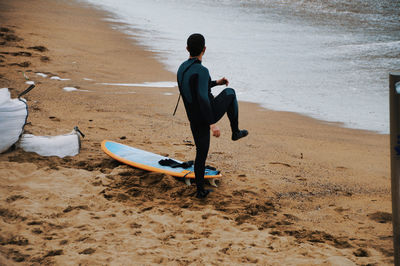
203	109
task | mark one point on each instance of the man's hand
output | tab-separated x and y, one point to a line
215	130
223	81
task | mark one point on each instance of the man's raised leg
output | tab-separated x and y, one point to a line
226	102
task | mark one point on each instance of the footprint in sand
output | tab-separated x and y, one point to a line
23	64
381	217
53	253
14	198
361	253
53	118
135	225
207	215
8	35
39	48
27	54
17	256
88	251
37	231
9	215
14	240
71	208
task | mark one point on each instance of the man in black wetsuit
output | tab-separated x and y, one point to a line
202	109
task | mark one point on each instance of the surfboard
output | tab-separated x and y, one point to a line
149	161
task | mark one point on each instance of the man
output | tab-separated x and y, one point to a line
202	109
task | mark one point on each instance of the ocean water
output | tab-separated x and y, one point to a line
328	59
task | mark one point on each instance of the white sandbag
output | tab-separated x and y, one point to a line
61	145
13	115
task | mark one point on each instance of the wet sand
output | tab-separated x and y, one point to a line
296	191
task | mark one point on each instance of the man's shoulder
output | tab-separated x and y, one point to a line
182	66
197	66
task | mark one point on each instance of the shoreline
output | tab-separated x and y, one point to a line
261	105
297	190
354	118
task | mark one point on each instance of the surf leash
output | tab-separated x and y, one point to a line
80	132
177	103
187	174
26	91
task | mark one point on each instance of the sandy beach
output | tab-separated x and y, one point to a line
296	191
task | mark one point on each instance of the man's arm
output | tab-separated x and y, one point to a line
215	130
202	96
221	81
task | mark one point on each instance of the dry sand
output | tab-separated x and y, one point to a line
296	191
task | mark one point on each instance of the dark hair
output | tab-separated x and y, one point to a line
195	44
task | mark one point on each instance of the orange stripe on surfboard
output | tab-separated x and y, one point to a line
184	173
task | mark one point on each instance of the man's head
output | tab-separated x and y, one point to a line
195	44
